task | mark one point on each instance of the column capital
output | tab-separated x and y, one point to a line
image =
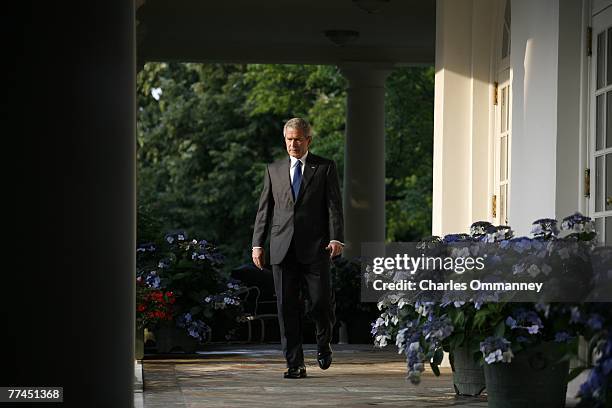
365	74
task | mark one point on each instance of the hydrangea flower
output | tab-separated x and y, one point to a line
164	263
380	333
545	228
407	341
525	319
195	328
577	223
437	329
481	228
171	237
562	337
491	234
520	244
496	349
153	280
576	316
222	300
424	308
146	247
595	321
381	340
455	238
543	308
233	285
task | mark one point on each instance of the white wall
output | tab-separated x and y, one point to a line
534	63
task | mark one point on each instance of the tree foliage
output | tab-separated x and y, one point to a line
409	153
205	132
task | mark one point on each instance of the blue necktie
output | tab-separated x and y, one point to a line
297	179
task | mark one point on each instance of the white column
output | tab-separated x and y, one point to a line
452	184
364	162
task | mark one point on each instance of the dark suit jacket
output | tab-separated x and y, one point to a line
313	220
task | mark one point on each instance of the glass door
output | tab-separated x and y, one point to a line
502	148
600	140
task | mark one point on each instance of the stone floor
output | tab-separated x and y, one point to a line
251	376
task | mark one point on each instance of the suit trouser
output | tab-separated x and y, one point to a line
290	277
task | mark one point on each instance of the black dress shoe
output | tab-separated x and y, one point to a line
295	372
324	358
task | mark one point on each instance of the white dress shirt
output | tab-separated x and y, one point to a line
292	172
294	163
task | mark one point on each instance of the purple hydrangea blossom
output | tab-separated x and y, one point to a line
577	223
543	308
380	332
164	263
153	280
481	228
525	319
195	328
437	329
424	308
545	228
533	329
222	300
595	321
455	238
408	342
496	349
146	247
576	316
562	337
521	244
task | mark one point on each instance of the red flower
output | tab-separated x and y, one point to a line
157	296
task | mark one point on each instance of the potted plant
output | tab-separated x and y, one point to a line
528	346
175	277
525	347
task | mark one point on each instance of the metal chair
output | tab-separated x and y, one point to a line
253	315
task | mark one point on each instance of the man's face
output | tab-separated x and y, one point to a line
296	141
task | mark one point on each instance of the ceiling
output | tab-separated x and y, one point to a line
285	31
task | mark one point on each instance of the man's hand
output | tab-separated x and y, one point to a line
258	257
334	248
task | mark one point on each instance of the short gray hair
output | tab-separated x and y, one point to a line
298	124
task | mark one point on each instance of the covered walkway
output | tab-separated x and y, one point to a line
251	376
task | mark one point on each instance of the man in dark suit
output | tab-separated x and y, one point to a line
302	204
